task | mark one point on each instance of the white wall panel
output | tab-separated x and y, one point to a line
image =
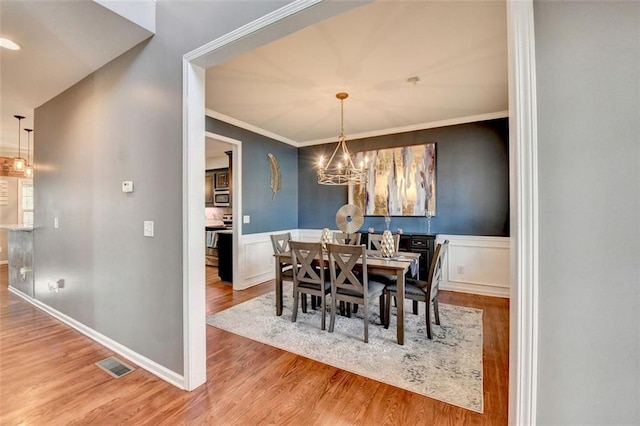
478	265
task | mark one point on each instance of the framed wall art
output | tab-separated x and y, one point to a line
401	181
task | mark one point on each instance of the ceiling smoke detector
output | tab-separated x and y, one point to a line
413	80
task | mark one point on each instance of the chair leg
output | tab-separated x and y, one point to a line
365	310
382	308
355	308
428	317
436	311
342	309
314	302
334	307
415	307
323	308
349	310
294	315
304	303
387	309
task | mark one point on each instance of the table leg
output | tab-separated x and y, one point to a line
400	303
278	287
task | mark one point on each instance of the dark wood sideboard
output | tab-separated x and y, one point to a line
415	243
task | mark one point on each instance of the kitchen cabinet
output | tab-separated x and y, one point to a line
209	177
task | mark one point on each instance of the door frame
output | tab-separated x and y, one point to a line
522	183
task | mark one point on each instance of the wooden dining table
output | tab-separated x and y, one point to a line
398	265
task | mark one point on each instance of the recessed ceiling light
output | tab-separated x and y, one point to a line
8	44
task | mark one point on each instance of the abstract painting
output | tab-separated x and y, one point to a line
401	181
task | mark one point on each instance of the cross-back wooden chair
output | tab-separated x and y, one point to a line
344	238
350	282
422	291
309	275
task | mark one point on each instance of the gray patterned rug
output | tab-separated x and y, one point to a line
447	368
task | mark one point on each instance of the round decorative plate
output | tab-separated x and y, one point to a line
349	218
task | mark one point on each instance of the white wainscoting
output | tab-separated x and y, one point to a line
474	264
478	265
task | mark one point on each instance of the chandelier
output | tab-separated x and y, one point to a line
339	170
19	163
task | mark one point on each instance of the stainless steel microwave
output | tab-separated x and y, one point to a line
221	199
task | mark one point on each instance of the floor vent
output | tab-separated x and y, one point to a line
115	367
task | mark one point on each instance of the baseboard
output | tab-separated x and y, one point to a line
4	262
479	289
140	360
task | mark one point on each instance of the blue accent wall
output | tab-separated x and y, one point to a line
267	213
472	181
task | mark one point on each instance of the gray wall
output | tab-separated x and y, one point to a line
267	213
588	88
472	181
124	122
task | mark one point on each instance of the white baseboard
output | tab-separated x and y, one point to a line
140	360
479	289
4	262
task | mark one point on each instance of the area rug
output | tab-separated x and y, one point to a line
447	368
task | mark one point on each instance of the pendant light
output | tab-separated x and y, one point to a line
19	162
339	170
28	170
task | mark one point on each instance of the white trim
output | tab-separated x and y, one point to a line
236	204
138	359
193	166
244	125
413	127
523	342
251	28
475	288
4	262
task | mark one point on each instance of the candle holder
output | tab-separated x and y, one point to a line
429	215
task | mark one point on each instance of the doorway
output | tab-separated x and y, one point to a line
523	184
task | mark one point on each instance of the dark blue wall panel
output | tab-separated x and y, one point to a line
472	181
267	213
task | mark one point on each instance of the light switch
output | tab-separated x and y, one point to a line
127	186
55	222
148	228
246	219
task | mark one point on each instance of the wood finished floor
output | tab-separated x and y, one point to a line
48	377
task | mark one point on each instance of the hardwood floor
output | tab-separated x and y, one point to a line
48	377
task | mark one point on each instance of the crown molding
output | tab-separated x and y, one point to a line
411	128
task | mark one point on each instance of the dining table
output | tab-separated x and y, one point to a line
398	265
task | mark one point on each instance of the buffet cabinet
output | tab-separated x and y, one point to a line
415	243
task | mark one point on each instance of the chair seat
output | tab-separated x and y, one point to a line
287	274
386	279
374	288
410	289
327	286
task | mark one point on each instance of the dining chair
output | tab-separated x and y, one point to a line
309	276
374	241
344	238
350	282
280	243
422	291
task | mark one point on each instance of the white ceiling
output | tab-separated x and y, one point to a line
457	49
62	42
